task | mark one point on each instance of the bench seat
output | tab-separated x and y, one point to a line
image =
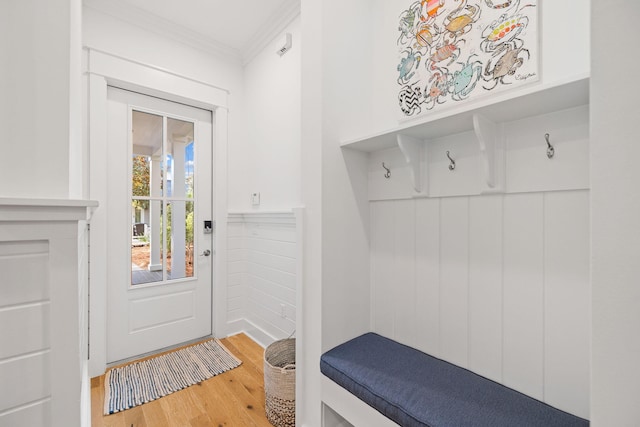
415	389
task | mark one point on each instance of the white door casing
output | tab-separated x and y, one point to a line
172	308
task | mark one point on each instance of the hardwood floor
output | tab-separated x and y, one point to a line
234	398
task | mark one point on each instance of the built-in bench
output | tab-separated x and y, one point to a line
415	389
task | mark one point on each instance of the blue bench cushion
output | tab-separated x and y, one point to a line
415	389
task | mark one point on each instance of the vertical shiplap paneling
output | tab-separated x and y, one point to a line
501	287
404	287
428	275
567	301
382	265
523	293
454	283
485	286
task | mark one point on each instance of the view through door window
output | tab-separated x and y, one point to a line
162	198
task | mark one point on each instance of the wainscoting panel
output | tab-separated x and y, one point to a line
404	283
498	284
43	322
454	280
24	270
24	326
236	271
523	275
33	318
567	299
427	275
262	275
383	268
485	286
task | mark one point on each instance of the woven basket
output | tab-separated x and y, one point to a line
280	382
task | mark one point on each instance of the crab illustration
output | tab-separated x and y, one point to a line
505	66
408	65
429	8
461	19
465	80
504	30
407	21
409	100
426	35
445	52
437	90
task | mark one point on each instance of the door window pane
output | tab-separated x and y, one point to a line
162	222
180	169
146	242
180	258
147	150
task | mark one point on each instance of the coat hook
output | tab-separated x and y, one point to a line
388	174
550	150
452	165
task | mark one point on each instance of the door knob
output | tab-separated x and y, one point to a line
206	252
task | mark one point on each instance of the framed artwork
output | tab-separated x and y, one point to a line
454	50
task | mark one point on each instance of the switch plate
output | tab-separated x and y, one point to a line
255	199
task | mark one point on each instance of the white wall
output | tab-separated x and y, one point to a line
40	114
335	102
345	260
267	159
310	323
101	31
262	285
615	206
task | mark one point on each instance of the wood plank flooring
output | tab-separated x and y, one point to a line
234	398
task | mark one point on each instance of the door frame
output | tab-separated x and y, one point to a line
104	69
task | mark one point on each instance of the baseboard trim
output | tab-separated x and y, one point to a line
251	330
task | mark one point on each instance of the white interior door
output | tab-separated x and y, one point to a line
160	254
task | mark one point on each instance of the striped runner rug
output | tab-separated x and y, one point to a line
141	382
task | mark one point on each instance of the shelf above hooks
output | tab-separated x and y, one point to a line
504	107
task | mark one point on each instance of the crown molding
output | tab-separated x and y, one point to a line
272	27
156	24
